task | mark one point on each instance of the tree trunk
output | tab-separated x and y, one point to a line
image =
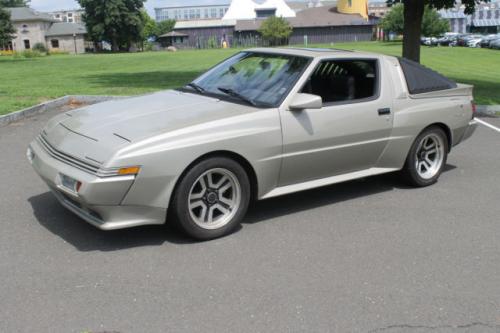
114	45
413	16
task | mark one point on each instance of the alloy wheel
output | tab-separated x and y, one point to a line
214	198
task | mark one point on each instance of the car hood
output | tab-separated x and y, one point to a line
105	127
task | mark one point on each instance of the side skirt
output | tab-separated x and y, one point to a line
326	181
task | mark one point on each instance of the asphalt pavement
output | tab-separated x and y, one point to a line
371	255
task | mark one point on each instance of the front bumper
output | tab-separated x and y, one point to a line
98	201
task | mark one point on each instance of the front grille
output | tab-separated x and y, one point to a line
68	159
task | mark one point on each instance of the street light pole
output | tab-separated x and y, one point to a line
74	40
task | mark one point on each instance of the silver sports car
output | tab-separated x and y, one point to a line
263	123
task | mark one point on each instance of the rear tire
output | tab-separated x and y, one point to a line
427	158
212	198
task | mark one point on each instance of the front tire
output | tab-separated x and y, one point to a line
427	158
212	198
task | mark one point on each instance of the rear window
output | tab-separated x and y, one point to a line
421	79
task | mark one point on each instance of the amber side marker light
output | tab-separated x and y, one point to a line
129	171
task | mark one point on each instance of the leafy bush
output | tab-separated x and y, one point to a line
57	52
32	54
212	42
275	30
40	47
6	53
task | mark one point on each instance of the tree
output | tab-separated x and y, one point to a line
118	22
394	20
164	27
413	17
275	30
149	28
14	3
432	24
7	30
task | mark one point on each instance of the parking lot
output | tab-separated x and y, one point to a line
366	256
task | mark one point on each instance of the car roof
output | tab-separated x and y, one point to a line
313	52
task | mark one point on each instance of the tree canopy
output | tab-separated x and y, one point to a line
118	22
413	18
275	30
7	30
432	24
14	3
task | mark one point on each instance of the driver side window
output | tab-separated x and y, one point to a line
338	81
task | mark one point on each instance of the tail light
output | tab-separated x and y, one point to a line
474	109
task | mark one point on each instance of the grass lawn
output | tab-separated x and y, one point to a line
25	82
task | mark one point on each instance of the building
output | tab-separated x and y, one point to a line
70	16
486	18
192	13
318	24
39	28
378	8
251	9
297	6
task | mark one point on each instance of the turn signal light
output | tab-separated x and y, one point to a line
129	171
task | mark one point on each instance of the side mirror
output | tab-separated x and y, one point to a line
306	101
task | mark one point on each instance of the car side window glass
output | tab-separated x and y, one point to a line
343	80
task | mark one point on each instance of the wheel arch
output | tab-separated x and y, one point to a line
252	175
446	129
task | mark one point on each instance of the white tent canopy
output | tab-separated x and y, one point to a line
245	9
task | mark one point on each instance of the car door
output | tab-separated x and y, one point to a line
350	131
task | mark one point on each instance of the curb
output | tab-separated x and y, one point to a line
54	104
488	110
481	110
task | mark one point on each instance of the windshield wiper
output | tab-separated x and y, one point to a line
232	93
196	87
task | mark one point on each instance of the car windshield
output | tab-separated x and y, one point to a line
259	79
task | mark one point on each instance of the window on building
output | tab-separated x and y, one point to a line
263	13
213	12
70	20
70	14
54	43
343	80
221	12
27	45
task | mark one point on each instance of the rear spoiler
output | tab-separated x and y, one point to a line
464	90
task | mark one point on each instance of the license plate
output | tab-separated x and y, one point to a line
68	182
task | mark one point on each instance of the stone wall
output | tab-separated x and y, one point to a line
67	44
34	32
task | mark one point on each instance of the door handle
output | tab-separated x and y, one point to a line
384	111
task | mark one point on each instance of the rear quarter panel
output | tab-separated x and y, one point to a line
413	113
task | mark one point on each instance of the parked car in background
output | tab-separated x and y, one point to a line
429	41
263	123
475	41
485	42
495	44
446	40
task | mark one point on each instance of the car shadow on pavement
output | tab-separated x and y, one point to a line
328	195
83	236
